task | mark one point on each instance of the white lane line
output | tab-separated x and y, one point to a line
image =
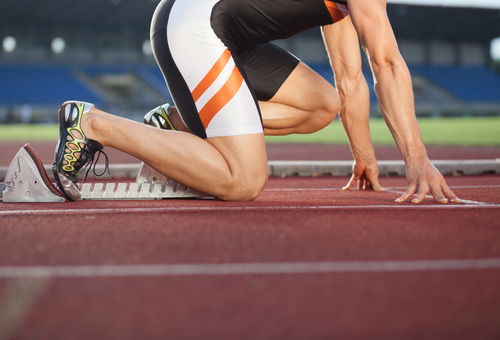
387	188
464	201
394	191
303	189
492	186
17	298
248	268
252	208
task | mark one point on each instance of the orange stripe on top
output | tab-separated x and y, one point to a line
335	12
212	75
222	97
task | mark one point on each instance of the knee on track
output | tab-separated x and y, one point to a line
243	188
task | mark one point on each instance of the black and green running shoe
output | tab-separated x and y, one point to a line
160	117
74	150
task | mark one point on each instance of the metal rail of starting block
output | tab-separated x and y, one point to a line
137	191
27	181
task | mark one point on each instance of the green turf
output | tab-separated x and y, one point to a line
29	132
481	131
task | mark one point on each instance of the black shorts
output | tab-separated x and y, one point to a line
267	67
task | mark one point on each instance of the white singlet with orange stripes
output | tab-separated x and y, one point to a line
223	99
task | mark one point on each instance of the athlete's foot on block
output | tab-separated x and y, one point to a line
74	150
166	117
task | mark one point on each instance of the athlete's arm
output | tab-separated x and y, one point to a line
342	46
394	91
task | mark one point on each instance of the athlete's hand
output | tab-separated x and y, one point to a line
425	178
364	176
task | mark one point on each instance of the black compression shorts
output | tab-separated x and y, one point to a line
267	67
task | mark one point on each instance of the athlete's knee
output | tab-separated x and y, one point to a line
244	187
326	110
330	106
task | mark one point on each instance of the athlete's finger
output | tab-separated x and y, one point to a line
374	183
409	192
368	185
450	194
362	182
422	191
351	182
439	195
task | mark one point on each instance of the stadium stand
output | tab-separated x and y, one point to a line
469	84
41	85
106	62
153	76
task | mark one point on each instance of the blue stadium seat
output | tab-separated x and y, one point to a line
153	76
42	85
470	84
50	85
98	70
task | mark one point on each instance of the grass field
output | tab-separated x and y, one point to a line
481	131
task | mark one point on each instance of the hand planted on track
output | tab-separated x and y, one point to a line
364	176
425	178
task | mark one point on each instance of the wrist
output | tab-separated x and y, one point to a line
417	159
415	153
364	156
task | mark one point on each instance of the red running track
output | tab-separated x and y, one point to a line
45	150
296	220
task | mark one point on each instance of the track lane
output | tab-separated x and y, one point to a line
445	303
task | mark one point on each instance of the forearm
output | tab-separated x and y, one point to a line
355	115
342	45
394	91
395	94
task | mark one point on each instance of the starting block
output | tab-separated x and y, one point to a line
149	185
27	181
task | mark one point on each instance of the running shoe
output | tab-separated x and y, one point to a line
74	150
160	117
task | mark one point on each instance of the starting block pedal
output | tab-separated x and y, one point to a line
27	181
149	175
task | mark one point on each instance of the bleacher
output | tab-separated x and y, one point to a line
41	85
473	84
153	76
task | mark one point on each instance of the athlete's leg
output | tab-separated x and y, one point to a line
292	97
229	168
305	103
225	154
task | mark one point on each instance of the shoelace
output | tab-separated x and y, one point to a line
93	163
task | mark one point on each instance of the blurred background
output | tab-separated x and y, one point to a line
99	51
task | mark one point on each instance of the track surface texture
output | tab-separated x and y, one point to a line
45	150
304	261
